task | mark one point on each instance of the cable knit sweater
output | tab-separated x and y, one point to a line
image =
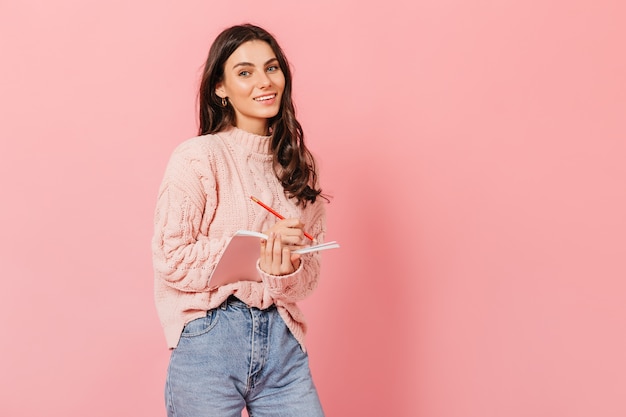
203	200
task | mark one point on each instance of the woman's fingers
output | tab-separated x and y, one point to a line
291	231
294	259
276	259
277	251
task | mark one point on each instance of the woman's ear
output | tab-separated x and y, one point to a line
219	90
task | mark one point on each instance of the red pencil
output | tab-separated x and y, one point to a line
275	213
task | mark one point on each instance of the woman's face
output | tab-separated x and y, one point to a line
253	83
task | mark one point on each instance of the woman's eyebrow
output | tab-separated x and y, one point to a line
250	64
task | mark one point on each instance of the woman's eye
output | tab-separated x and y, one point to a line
272	68
244	73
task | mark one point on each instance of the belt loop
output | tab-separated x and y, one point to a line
224	305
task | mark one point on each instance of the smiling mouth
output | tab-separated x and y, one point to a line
265	98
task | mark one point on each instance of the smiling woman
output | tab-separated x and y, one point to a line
239	345
253	84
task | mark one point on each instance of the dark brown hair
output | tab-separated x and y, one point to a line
294	164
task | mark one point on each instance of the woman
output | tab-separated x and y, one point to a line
241	344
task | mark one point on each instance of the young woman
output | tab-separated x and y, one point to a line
241	344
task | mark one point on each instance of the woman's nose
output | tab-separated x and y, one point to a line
264	80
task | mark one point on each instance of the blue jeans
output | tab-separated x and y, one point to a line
235	357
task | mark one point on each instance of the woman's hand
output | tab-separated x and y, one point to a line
291	232
276	258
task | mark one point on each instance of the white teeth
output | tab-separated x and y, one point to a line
265	98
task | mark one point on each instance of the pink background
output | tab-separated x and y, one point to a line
476	153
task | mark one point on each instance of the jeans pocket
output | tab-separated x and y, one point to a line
202	325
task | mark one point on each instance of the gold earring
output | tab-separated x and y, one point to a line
224	102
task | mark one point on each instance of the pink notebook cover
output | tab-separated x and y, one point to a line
238	262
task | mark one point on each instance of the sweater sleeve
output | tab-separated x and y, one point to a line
301	283
183	257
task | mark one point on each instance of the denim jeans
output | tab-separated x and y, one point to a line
235	357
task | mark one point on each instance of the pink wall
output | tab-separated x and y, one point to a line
475	151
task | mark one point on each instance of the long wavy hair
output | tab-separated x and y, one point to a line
294	164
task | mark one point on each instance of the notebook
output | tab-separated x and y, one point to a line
238	262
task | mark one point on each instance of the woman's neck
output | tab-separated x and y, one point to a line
260	128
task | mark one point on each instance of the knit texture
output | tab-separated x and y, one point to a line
203	200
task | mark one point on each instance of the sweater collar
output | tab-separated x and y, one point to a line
254	143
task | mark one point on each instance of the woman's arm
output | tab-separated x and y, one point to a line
183	257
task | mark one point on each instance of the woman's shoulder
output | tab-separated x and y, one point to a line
197	144
205	148
196	153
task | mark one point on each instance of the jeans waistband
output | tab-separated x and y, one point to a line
233	301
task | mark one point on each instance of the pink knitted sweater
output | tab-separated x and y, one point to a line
203	200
